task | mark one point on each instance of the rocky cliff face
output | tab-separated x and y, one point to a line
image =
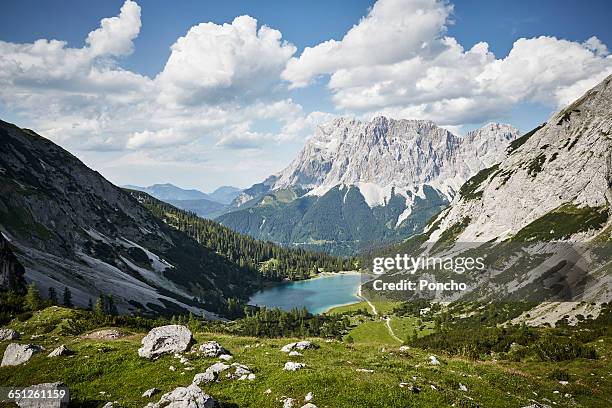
540	218
71	227
11	271
565	162
356	183
386	153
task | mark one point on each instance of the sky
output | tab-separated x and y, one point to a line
203	94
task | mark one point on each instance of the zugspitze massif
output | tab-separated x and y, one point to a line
356	182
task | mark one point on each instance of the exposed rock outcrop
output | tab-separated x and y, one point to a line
168	339
16	354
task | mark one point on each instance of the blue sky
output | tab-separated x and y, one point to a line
118	102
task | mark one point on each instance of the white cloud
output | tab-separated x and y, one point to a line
392	31
219	63
399	61
115	35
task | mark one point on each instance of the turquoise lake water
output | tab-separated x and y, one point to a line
317	295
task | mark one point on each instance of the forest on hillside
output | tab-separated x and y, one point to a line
271	260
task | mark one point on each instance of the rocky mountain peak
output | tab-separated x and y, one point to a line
388	153
559	166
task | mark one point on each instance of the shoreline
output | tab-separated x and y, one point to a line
320	275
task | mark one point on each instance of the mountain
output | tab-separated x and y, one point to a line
169	191
225	194
356	183
68	226
540	217
202	207
205	205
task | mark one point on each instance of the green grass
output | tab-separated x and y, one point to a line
114	368
562	222
373	332
403	327
468	190
353	307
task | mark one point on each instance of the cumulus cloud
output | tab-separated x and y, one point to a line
224	62
218	78
398	60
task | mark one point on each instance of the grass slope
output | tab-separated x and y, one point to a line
111	370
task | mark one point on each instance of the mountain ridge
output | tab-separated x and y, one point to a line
396	174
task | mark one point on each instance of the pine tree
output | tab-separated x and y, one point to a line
52	296
32	298
111	308
67	297
100	308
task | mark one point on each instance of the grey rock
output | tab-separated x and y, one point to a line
185	397
60	351
16	354
217	368
291	366
205	377
44	403
300	345
149	393
433	360
9	334
165	339
309	405
212	349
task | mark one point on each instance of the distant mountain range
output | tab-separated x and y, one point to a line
207	205
355	184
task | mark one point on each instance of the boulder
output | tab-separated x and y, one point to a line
295	353
149	393
537	405
291	366
309	405
212	349
308	397
217	368
300	345
60	351
205	377
241	372
288	403
185	397
44	403
433	360
16	354
8	334
172	338
225	357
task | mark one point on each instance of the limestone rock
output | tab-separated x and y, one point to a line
9	334
149	393
300	345
16	354
60	351
185	397
165	339
44	403
291	366
212	349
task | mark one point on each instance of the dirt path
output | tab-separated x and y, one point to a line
388	324
375	313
